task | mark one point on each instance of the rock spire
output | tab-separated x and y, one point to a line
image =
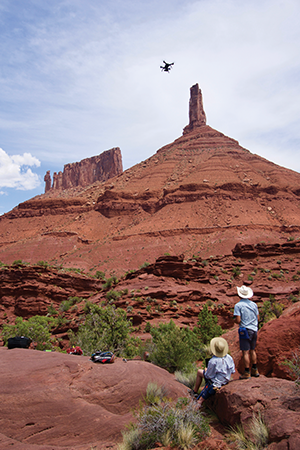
196	112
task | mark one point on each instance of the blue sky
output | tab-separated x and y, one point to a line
78	77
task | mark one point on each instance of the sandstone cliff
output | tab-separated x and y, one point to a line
86	172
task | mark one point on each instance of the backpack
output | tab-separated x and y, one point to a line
103	357
18	342
74	351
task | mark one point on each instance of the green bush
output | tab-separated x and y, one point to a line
113	295
269	311
236	271
148	327
109	282
42	263
36	328
106	329
174	347
208	327
52	310
17	262
100	275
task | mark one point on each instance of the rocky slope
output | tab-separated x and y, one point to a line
173	288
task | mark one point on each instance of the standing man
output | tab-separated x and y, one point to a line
247	315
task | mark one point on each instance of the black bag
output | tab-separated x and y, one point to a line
103	357
18	342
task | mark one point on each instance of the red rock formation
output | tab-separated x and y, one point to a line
59	401
47	179
197	117
86	172
277	400
57	180
199	195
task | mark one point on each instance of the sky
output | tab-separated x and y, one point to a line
78	77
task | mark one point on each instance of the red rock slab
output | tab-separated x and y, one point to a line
277	341
59	401
278	401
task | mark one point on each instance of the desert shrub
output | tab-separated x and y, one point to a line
174	347
179	425
208	327
155	394
187	376
256	438
17	262
106	329
65	305
270	310
293	366
100	275
294	298
37	328
51	310
236	271
42	263
113	295
109	282
148	327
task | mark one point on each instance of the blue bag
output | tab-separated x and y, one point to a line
243	333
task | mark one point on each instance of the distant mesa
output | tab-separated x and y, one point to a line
87	171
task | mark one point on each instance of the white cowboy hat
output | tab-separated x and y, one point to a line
244	292
219	347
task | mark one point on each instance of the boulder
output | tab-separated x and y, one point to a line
277	400
59	401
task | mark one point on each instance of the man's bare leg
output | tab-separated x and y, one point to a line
246	357
200	376
253	356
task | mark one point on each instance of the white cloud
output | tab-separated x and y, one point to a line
15	173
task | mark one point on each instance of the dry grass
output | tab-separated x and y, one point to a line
255	439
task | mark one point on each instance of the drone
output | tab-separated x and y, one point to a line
167	66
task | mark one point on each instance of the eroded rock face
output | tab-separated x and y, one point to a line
86	172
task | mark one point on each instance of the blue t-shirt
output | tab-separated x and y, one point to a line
248	312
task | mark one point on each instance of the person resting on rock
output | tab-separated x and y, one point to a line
246	315
218	372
